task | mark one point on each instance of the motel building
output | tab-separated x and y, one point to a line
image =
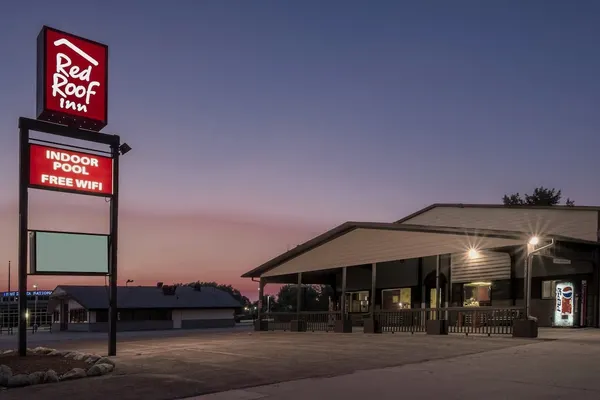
449	268
85	308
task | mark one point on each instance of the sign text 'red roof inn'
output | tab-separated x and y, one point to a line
72	80
70	171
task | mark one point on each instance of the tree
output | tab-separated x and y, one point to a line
541	196
315	298
236	294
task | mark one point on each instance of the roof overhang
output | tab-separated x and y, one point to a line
359	243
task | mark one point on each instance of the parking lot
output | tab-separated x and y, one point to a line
168	366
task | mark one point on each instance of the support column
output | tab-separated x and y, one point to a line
596	289
343	325
373	288
421	291
298	324
513	278
438	298
448	296
373	325
260	324
343	301
299	295
437	326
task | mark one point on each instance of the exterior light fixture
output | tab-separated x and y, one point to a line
473	253
124	149
534	240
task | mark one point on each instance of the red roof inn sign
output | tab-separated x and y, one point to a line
72	80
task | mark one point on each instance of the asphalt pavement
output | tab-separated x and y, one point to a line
250	365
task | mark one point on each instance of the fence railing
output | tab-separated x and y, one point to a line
483	320
320	321
405	320
279	321
467	320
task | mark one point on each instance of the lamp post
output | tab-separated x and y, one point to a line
531	251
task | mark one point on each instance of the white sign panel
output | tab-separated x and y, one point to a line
563	310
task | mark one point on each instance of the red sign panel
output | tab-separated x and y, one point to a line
70	171
72	80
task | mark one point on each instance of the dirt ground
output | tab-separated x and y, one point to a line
33	363
164	368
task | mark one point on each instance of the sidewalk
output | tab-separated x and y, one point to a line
545	370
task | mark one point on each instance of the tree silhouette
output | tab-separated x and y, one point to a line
541	196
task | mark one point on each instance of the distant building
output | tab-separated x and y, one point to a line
37	308
85	308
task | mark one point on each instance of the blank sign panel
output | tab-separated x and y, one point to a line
65	253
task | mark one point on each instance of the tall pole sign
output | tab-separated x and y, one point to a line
72	102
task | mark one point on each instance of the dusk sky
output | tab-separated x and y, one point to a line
256	125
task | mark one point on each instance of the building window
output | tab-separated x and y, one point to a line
78	316
358	302
548	290
477	294
396	299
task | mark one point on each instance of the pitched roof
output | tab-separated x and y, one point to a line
461	205
96	297
350	226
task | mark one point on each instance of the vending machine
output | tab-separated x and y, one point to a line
565	305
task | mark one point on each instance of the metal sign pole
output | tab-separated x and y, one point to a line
114	230
23	222
117	149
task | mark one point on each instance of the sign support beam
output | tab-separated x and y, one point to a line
23	224
114	141
114	231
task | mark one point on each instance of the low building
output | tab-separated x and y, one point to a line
37	308
85	308
472	257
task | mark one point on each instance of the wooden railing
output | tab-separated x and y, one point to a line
483	320
466	320
319	321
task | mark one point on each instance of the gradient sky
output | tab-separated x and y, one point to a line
258	124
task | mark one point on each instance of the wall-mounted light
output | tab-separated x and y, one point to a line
473	253
534	240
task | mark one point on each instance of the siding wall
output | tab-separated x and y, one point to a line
488	266
577	224
226	313
366	246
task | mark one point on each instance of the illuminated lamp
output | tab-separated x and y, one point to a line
473	253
